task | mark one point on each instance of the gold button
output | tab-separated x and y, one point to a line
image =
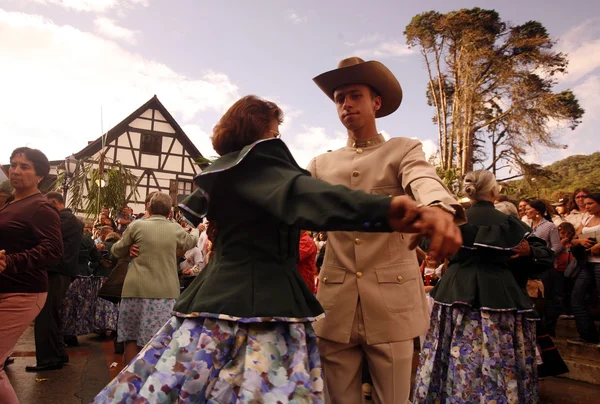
359	274
355	173
357	241
359	150
400	278
368	142
325	280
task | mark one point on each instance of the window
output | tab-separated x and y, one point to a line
184	187
151	144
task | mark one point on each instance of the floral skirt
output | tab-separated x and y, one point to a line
206	360
140	319
83	312
477	356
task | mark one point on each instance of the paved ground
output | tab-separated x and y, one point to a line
89	370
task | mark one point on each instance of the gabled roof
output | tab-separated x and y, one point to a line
123	126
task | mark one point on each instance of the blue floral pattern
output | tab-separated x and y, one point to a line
477	356
197	360
83	312
140	319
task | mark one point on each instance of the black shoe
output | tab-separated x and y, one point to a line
64	359
9	361
47	366
71	340
119	347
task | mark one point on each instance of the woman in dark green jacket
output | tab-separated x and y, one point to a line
480	346
242	330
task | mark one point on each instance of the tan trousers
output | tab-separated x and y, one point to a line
390	365
17	311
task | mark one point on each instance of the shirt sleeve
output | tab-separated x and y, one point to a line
47	231
307	247
555	243
277	185
187	241
121	248
420	180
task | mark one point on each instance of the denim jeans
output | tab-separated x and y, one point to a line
583	317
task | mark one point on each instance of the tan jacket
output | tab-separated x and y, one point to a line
377	268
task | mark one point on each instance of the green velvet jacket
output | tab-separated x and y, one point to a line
259	199
483	274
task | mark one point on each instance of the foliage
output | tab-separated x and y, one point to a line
491	85
99	183
204	162
560	178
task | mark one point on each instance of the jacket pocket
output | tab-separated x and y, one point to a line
397	286
392	190
330	284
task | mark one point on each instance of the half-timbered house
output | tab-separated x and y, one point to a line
155	148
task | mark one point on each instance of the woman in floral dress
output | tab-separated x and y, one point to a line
242	330
480	348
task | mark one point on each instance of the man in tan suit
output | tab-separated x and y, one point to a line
370	285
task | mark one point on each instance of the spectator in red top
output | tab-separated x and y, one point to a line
307	264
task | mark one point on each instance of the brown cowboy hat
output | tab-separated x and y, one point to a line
354	70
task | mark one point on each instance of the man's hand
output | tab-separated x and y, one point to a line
134	251
100	246
403	215
438	225
2	260
522	250
187	272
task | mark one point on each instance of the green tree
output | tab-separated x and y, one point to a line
491	85
99	183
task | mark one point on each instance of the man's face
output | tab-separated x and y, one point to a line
105	211
355	105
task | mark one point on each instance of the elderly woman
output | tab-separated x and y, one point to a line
152	282
480	346
242	330
30	239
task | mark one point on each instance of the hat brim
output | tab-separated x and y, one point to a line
371	73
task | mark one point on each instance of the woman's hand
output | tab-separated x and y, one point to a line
431	222
595	250
584	242
522	250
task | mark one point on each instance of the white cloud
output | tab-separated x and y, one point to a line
295	18
108	28
384	49
97	6
312	141
201	139
582	46
367	39
56	78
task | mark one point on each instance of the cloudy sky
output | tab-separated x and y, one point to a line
64	61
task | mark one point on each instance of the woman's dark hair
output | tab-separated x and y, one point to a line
595	196
541	207
244	123
39	160
573	202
